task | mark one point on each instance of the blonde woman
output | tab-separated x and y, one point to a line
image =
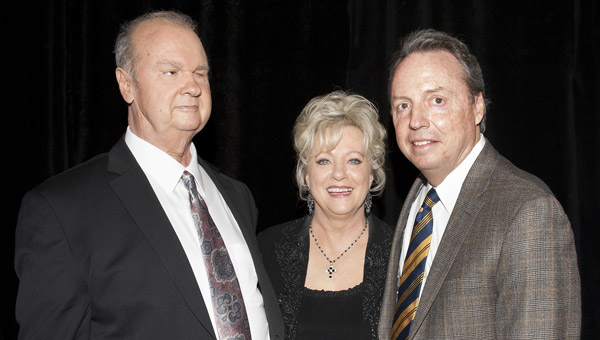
329	266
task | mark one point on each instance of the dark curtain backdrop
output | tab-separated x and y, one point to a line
269	57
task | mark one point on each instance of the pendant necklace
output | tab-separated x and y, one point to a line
330	270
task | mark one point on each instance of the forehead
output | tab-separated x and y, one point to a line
347	136
161	39
436	69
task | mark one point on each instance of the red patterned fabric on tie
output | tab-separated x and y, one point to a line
228	304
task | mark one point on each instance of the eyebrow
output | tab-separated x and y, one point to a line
180	65
437	89
434	90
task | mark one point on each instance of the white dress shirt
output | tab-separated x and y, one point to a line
448	192
164	174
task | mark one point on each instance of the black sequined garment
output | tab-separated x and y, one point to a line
285	254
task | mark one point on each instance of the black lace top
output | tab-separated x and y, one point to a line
285	254
332	315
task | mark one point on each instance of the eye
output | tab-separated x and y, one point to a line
322	161
201	76
355	161
402	106
171	73
438	100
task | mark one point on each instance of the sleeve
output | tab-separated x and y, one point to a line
538	278
52	300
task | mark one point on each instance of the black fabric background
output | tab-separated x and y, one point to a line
269	57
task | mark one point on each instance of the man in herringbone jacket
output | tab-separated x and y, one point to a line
500	261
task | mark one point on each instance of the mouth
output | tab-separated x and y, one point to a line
340	190
422	142
188	107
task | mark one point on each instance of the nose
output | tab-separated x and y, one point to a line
190	86
419	118
339	171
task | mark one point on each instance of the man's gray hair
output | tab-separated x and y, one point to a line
431	40
124	49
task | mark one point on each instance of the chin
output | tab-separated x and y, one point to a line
194	126
425	164
345	211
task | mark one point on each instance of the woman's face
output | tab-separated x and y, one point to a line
339	180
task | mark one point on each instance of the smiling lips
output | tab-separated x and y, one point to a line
340	191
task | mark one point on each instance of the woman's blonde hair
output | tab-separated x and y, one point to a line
322	121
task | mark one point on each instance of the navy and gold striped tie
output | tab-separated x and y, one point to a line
414	268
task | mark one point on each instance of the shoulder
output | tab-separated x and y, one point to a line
382	232
508	195
223	181
81	177
279	232
517	184
503	180
380	241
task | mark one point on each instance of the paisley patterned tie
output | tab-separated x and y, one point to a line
228	304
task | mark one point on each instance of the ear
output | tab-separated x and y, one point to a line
479	108
307	180
125	84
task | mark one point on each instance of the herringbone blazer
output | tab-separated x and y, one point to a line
506	267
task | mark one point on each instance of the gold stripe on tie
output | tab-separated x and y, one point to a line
415	258
412	286
421	225
405	318
414	265
429	202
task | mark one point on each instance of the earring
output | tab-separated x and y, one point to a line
368	204
310	203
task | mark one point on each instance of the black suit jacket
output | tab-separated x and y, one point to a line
97	257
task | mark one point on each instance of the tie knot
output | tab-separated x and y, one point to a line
432	198
188	180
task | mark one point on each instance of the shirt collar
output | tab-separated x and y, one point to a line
160	167
449	189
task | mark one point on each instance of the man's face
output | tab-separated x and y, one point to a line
435	117
170	95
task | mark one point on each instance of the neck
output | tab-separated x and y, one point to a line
338	228
177	147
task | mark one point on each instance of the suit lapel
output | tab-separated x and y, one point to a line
462	218
137	196
247	226
247	222
388	305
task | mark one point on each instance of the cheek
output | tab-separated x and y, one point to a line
401	128
152	97
449	122
311	177
363	177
